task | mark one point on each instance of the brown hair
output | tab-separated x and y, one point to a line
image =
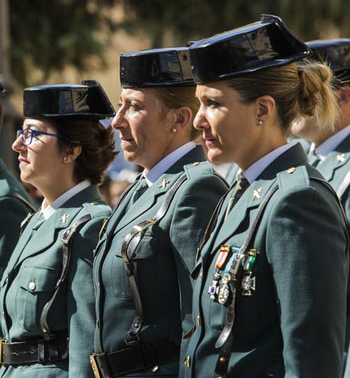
97	144
299	89
176	97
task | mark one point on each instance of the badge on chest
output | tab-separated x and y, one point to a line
233	270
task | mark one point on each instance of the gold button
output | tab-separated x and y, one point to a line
196	163
291	170
32	286
199	322
222	359
155	369
187	361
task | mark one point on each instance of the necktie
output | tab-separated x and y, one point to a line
237	192
313	157
140	188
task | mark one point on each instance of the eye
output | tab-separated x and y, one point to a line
212	103
134	106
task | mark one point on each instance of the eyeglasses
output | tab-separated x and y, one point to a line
28	135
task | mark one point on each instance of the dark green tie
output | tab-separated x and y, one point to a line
237	192
140	188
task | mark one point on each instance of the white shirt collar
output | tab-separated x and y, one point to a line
153	175
50	209
331	143
252	172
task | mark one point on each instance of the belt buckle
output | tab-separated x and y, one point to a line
2	341
94	365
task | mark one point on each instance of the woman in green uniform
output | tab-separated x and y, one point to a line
46	291
270	291
144	259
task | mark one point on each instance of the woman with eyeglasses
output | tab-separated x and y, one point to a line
270	293
46	292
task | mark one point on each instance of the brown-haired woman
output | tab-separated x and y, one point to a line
270	294
47	291
144	260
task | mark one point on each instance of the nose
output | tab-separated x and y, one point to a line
119	121
200	122
18	145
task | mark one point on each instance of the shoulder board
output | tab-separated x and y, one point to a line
292	177
97	209
198	169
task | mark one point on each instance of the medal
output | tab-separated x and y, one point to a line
248	284
224	290
213	288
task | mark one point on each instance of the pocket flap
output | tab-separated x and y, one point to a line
37	279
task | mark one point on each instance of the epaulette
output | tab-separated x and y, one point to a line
97	209
292	177
198	169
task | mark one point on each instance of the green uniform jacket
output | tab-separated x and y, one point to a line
293	324
29	280
335	169
13	209
163	261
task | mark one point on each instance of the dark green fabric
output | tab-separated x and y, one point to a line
12	213
163	260
37	259
293	324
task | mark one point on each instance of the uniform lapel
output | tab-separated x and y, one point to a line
159	188
335	160
39	236
247	207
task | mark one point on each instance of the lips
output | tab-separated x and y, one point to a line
209	141
22	161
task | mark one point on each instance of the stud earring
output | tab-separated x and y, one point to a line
260	122
174	130
65	158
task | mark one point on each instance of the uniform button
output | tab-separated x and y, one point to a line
155	369
187	361
98	286
199	322
32	286
200	275
3	314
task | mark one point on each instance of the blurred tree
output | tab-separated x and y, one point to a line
48	36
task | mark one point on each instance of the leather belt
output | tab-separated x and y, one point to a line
134	358
33	351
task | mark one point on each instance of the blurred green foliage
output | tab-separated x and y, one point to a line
49	35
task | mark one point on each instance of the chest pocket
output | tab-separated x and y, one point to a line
145	267
35	286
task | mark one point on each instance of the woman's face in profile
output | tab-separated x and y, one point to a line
144	127
39	157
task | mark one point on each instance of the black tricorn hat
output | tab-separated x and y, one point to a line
335	52
156	67
67	100
247	49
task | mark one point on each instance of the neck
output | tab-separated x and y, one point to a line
54	189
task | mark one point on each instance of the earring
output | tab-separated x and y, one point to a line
65	158
174	130
260	122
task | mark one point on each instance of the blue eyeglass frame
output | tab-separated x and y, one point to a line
32	133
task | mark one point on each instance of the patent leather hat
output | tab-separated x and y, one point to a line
263	44
335	52
67	100
156	67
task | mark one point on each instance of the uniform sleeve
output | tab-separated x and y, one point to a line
193	210
12	213
307	251
80	302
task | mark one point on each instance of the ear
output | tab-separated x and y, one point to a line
343	96
265	108
183	117
72	154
